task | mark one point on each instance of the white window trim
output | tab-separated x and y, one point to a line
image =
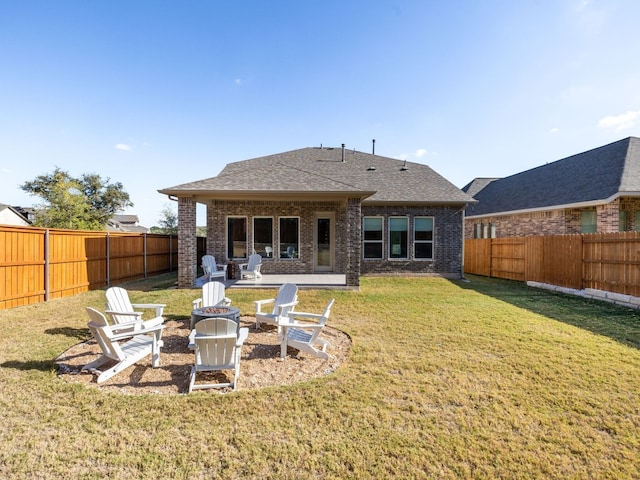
279	242
381	241
253	235
246	240
401	259
432	241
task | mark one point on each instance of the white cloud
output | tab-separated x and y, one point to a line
123	146
620	122
421	152
554	131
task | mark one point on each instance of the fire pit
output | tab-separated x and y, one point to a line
232	313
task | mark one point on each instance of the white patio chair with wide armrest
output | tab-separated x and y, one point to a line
218	346
252	268
213	295
121	310
123	347
285	302
306	336
212	269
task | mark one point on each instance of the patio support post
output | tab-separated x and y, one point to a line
187	242
354	242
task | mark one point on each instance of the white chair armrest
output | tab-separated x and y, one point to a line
243	266
148	326
260	303
312	316
127	314
242	336
222	268
196	303
158	306
285	305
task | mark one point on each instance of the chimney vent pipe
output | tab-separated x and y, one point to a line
374	146
343	153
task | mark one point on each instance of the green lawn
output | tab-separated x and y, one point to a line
446	379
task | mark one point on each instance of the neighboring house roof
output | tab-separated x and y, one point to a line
476	185
589	178
125	223
127	219
321	170
13	216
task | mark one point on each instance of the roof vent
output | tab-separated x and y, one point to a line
373	149
404	166
371	169
343	153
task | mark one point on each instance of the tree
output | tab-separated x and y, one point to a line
85	203
168	222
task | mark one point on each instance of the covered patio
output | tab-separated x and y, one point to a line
314	281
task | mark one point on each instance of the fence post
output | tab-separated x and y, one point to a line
144	253
108	239
46	266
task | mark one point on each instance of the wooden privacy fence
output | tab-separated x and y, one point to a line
39	264
602	261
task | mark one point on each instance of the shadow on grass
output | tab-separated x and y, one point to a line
619	323
41	365
77	333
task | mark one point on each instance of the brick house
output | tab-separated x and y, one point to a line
593	191
316	210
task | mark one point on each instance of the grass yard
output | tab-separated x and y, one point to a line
446	379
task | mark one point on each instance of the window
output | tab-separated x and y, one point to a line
398	237
236	237
263	236
588	221
289	237
637	222
423	237
622	221
372	237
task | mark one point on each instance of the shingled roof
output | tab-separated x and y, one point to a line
374	178
596	176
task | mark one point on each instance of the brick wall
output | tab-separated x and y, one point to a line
348	237
447	248
559	222
187	242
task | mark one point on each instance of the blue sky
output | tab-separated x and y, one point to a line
157	93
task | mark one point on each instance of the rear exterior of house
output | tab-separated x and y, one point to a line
594	191
326	210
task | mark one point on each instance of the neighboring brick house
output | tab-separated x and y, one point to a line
316	210
594	191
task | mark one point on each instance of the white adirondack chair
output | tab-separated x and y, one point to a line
121	310
213	270
213	295
306	336
252	268
218	346
284	303
146	340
